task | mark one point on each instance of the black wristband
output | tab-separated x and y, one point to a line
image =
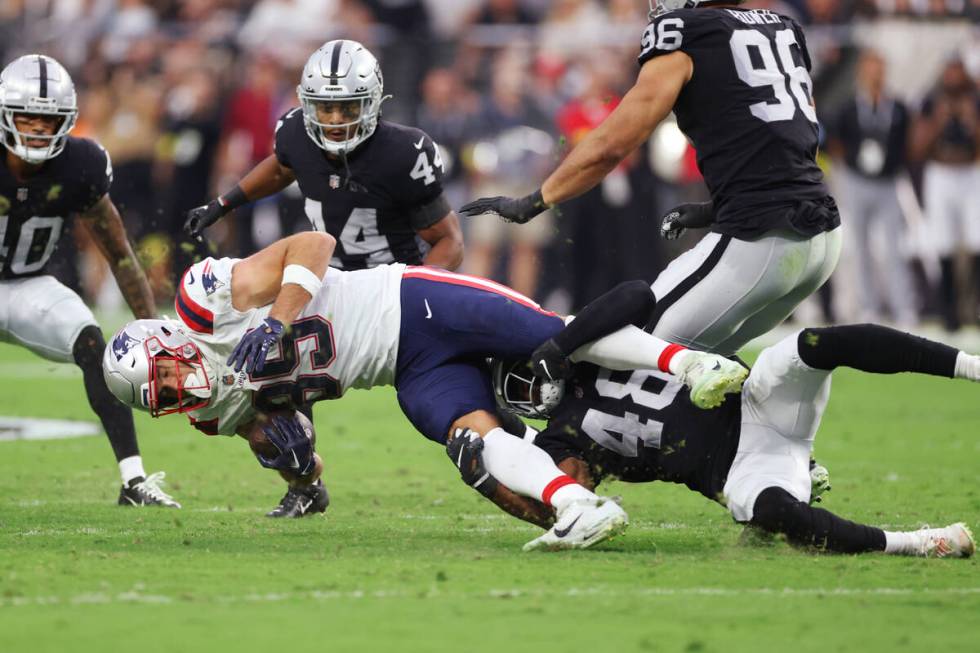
232	199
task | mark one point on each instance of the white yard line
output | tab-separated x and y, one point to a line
139	597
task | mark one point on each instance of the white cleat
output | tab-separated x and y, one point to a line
710	377
954	541
582	524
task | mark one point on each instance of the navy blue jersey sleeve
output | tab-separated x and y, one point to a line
94	167
288	127
683	30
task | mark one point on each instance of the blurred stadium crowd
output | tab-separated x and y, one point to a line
184	94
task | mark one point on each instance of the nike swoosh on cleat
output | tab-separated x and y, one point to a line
418	146
716	367
562	532
304	508
428	311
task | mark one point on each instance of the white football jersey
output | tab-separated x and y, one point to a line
346	337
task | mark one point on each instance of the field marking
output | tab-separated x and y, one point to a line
139	597
33	428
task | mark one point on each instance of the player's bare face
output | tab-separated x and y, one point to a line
338	117
37	125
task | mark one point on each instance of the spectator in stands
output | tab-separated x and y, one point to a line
869	139
947	137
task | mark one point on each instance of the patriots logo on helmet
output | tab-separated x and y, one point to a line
122	344
209	281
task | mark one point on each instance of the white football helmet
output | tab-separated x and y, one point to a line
343	73
36	84
131	361
520	392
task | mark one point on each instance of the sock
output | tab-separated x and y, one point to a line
528	470
116	418
130	468
967	367
630	302
777	511
874	348
899	543
630	348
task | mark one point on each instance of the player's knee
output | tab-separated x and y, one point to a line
481	421
776	510
638	293
88	347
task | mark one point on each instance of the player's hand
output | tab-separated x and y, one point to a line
686	216
549	362
465	450
511	209
251	350
294	445
203	217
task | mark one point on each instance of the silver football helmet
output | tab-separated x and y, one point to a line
663	6
36	84
132	359
518	390
341	92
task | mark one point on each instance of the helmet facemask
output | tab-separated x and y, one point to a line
359	120
520	391
193	387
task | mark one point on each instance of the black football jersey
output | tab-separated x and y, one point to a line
390	188
33	213
748	111
641	426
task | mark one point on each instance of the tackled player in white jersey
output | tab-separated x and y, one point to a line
233	366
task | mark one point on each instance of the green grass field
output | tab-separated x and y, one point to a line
408	559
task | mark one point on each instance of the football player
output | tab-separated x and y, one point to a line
232	361
738	82
376	186
46	178
750	454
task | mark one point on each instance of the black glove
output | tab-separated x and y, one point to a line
203	217
294	445
465	450
511	209
251	350
686	216
549	361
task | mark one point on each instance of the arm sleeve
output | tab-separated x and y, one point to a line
285	128
420	178
96	171
425	215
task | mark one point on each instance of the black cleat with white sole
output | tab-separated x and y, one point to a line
146	492
302	501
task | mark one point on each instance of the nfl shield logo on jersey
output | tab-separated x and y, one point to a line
334	181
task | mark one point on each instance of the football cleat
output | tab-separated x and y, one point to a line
146	492
302	501
819	481
710	377
953	541
581	524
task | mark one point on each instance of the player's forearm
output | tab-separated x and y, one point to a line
583	169
523	507
308	254
446	253
266	178
134	286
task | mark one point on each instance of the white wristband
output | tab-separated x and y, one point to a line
302	277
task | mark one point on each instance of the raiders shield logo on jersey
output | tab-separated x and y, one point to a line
334	181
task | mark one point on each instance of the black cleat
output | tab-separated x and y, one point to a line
146	492
302	501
